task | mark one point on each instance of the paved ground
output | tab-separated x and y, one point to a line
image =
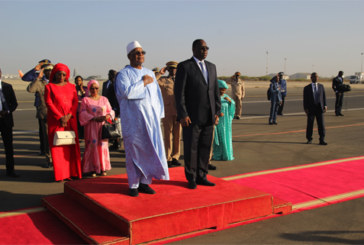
257	146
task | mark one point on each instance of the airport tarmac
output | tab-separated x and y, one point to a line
257	146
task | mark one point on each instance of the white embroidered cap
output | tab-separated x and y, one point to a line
131	46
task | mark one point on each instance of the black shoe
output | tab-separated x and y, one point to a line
133	192
12	174
211	167
175	162
237	117
309	142
323	143
275	123
270	123
143	188
341	115
280	114
205	182
169	164
192	184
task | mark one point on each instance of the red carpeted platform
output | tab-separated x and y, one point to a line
101	211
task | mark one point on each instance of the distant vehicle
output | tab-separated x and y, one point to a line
353	79
360	76
94	77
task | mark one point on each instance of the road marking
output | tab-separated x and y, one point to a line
330	199
299	131
21	212
295	114
25	131
272	171
287	100
28	109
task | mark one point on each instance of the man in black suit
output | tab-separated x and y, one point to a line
8	104
337	82
108	91
198	104
314	103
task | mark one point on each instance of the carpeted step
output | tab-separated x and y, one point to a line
281	206
173	210
91	227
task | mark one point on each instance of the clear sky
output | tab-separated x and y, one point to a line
91	36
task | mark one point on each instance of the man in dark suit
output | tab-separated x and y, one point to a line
198	104
337	82
108	91
8	104
314	103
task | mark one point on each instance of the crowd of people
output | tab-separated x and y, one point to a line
190	101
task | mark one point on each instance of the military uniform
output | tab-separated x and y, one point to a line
238	93
171	127
38	86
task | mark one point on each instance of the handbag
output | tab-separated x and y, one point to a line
64	138
110	131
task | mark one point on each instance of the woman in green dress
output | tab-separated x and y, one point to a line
223	143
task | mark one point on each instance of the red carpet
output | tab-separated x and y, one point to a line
311	185
40	227
306	186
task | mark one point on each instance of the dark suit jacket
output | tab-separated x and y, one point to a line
195	98
336	83
308	99
104	89
11	102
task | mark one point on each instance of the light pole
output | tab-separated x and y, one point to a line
361	66
266	64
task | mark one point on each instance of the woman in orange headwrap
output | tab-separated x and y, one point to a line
62	102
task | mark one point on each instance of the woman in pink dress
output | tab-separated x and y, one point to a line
94	111
62	102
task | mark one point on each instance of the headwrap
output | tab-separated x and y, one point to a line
92	82
131	46
222	84
59	67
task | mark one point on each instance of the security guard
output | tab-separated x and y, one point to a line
172	127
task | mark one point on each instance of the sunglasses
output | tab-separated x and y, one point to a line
205	48
139	53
